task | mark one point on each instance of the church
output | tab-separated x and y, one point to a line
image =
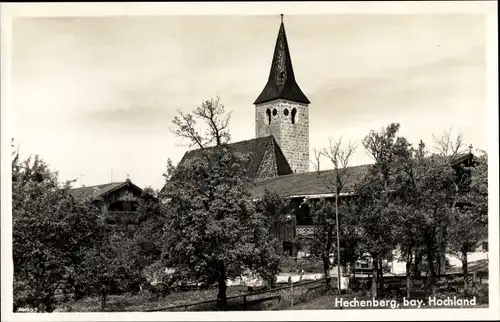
279	152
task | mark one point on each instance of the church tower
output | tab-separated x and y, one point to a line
282	110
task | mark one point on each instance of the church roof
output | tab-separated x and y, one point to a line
281	83
256	149
314	183
309	183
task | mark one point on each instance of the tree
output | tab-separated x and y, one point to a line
51	232
213	232
325	216
276	214
375	209
116	262
375	225
409	160
213	115
470	220
149	231
111	267
449	149
423	186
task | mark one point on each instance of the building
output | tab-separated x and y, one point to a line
111	198
280	151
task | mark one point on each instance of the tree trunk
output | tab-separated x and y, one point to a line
418	261
77	293
221	281
374	277
380	277
442	252
104	295
326	268
408	272
432	269
465	269
48	304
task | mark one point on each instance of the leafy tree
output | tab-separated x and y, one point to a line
111	266
425	188
470	221
325	234
375	223
276	212
51	232
450	149
409	214
149	231
375	207
116	262
213	232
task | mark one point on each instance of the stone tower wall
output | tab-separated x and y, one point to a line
293	138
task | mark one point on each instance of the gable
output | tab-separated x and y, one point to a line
273	163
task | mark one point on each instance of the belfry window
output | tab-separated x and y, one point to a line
268	112
294	114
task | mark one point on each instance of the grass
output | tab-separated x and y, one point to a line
144	301
312	297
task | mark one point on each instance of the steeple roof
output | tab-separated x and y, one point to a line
281	82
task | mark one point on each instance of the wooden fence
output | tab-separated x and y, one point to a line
398	283
246	302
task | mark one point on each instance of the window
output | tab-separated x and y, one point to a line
268	112
123	206
275	112
285	111
294	114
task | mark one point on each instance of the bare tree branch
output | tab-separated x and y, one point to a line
316	161
447	147
339	158
213	115
186	129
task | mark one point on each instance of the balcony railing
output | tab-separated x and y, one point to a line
122	213
305	231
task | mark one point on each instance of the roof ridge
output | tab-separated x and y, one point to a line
312	172
231	143
98	185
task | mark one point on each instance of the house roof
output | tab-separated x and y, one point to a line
479	266
281	83
99	190
256	149
309	183
462	157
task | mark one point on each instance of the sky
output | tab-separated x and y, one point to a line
95	96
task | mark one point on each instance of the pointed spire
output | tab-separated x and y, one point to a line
281	82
